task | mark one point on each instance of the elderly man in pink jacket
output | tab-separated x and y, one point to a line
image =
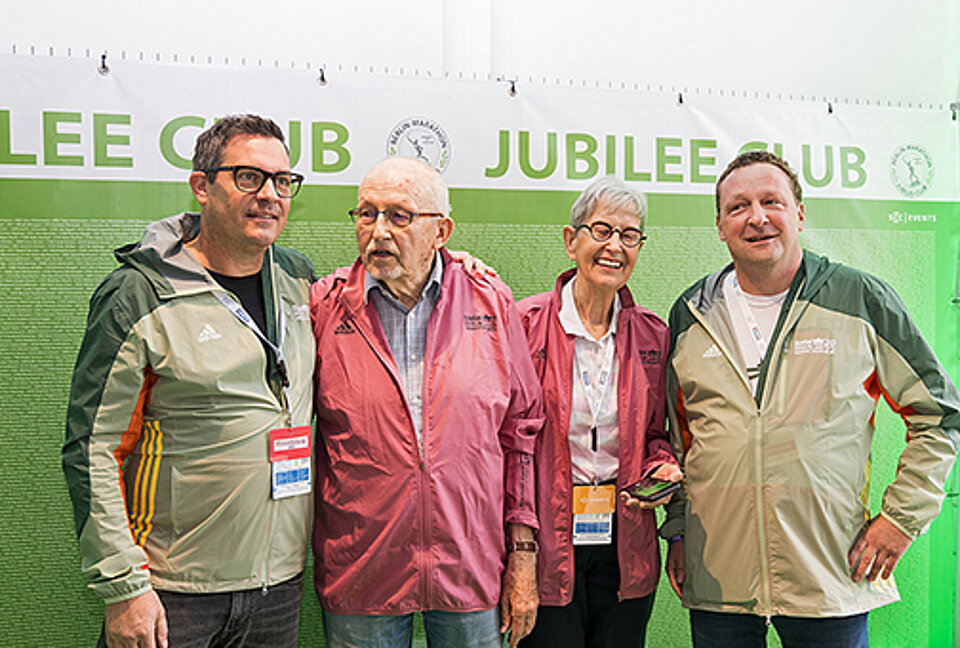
427	412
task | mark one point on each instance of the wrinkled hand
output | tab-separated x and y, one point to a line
519	598
136	622
472	264
674	567
880	546
666	472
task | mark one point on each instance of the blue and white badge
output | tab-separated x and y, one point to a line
290	461
593	509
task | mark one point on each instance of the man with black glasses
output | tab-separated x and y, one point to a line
188	439
427	413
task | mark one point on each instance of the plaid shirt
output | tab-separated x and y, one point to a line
406	333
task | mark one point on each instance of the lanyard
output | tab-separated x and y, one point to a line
596	390
755	333
245	318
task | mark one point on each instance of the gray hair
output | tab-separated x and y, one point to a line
612	193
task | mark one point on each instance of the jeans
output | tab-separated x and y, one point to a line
596	618
233	619
443	629
722	630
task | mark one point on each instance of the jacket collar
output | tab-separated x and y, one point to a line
434	279
354	293
626	297
813	272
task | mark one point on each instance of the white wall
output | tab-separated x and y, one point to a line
866	50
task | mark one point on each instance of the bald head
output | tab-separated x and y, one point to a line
417	178
400	253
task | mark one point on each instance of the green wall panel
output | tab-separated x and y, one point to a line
58	237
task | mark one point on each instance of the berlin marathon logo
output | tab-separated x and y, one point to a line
422	138
911	170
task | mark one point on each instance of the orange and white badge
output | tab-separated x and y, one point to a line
593	509
291	450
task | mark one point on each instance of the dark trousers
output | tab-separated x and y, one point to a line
233	619
595	618
722	630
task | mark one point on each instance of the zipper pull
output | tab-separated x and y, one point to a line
264	592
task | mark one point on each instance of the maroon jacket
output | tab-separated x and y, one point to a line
397	530
642	341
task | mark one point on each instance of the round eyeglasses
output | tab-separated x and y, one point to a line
602	232
250	179
399	218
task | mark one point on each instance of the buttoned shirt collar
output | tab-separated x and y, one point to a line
570	318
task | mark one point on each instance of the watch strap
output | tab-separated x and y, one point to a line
523	545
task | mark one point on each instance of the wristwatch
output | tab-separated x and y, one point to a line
523	545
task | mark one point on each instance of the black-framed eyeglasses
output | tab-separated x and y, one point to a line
250	179
602	232
367	216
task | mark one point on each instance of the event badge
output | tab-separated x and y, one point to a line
290	453
593	508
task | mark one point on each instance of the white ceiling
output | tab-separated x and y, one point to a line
867	50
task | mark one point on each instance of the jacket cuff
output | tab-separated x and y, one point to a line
520	500
118	584
892	520
522	517
128	595
671	527
660	458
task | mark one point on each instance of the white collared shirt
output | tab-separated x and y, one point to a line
594	433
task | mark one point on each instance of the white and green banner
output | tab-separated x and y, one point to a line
89	156
63	119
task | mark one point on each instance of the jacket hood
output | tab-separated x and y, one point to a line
160	256
816	269
813	273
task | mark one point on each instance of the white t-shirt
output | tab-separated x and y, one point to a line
754	317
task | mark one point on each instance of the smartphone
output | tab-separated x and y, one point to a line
651	489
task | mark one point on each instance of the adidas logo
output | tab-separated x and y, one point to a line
712	352
344	328
207	334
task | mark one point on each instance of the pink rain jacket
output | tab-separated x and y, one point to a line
642	342
397	530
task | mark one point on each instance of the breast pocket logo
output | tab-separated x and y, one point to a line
817	345
651	356
480	322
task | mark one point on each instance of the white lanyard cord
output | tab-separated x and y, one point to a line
594	391
755	333
277	350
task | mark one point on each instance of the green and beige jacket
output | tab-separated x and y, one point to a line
166	451
776	483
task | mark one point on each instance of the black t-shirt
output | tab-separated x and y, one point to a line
249	290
